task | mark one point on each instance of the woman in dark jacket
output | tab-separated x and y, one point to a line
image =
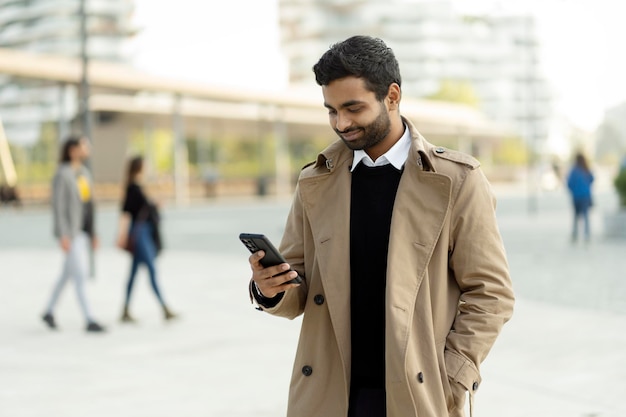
141	238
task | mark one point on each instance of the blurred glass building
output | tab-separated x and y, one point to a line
495	57
54	27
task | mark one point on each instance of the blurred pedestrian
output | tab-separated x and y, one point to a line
579	182
73	215
9	195
139	234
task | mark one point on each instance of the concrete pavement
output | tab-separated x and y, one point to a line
562	355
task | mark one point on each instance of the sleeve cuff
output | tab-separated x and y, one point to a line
263	301
462	370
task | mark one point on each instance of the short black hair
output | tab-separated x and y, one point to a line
360	56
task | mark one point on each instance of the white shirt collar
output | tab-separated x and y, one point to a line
395	156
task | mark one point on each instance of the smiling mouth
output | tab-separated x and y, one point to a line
351	135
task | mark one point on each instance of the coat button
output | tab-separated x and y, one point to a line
475	386
318	299
307	370
420	378
440	150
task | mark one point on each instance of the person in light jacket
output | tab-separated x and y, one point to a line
73	217
406	282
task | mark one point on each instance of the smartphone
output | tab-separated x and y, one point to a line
256	242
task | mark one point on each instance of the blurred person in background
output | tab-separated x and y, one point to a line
579	182
10	195
139	234
73	216
406	283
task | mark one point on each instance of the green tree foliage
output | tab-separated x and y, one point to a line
227	156
36	163
245	158
511	152
305	150
620	186
456	91
161	145
163	151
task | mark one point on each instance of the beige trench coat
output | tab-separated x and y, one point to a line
448	287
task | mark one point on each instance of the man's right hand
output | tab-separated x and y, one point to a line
268	280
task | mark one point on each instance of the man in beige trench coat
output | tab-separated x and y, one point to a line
405	279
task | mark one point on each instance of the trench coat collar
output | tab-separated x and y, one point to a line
337	153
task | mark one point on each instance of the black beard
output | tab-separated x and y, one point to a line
373	134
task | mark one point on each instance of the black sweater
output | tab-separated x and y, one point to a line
373	196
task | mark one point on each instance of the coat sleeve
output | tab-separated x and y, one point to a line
60	200
478	262
291	305
94	232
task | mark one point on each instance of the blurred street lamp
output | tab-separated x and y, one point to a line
84	110
531	118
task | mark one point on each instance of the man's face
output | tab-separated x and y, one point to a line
361	121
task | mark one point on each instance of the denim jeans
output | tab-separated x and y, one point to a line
144	253
581	212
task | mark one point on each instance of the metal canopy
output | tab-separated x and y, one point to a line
301	106
138	95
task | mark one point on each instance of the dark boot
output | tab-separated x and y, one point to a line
49	319
92	326
126	317
167	313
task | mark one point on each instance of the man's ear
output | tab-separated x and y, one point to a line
394	94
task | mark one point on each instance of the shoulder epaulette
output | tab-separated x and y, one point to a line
456	156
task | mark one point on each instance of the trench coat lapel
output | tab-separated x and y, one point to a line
419	213
327	202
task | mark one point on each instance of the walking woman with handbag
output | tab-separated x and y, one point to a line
138	234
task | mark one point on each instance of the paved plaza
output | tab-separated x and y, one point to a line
562	355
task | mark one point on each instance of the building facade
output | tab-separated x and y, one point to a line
496	57
611	135
54	27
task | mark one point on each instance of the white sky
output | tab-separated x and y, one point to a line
583	51
236	43
233	42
